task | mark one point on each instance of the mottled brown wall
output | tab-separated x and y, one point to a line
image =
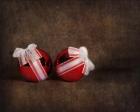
109	28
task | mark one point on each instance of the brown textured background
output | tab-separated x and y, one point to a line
110	30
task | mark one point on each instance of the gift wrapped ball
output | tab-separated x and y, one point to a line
34	63
28	73
71	66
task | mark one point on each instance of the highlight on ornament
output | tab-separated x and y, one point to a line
72	64
34	63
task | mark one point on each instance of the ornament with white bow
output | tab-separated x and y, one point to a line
31	56
78	57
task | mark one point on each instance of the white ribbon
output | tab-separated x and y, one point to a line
31	56
83	54
79	57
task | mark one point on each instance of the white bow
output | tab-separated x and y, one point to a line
82	52
30	53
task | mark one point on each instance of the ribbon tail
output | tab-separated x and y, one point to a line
36	65
90	66
39	70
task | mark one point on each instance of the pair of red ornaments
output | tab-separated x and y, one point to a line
71	64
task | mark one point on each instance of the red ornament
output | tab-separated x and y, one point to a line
72	64
35	64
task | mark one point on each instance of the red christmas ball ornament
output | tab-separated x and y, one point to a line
72	64
34	64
